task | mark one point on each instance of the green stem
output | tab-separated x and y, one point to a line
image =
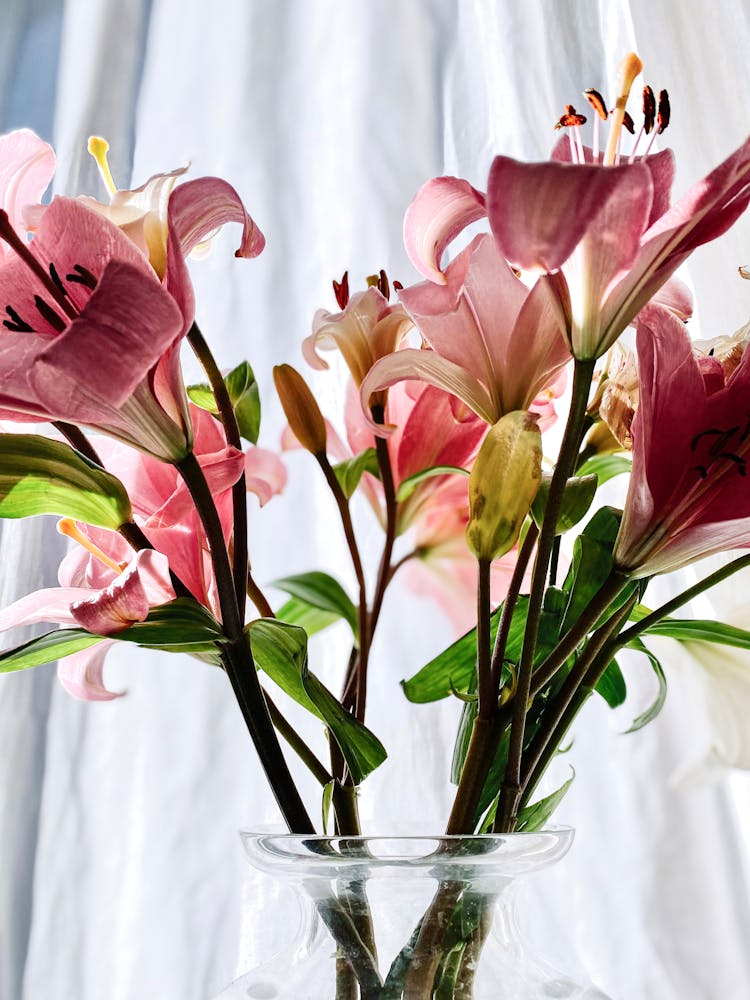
677	602
237	657
567	703
582	375
487	707
509	604
485	739
297	744
239	489
598	605
391	520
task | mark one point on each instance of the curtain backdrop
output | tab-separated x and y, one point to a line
121	874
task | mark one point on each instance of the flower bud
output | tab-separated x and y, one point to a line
503	483
301	409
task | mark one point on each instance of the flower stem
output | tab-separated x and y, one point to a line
487	706
297	744
239	489
677	602
509	604
237	657
391	520
582	374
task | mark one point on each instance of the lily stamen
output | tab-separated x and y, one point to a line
67	526
630	67
596	101
14	241
98	148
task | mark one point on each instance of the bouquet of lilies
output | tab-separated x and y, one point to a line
454	384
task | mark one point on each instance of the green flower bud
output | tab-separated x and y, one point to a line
503	483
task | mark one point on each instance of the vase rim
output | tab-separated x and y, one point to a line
510	854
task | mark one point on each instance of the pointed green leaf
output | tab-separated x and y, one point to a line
592	563
409	484
605	467
686	630
658	703
611	685
351	471
281	651
312	620
321	591
180	626
534	817
244	396
47	648
41	476
327	803
577	498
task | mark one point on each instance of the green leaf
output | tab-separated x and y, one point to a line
701	631
577	498
351	471
327	803
611	685
47	648
409	484
181	626
321	591
605	467
534	816
243	394
312	620
281	651
40	476
592	563
658	703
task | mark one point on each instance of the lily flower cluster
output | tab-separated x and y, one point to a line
454	382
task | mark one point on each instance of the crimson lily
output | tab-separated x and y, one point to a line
688	496
495	344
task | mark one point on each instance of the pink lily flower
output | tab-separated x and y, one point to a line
495	344
81	294
368	328
691	445
606	234
124	594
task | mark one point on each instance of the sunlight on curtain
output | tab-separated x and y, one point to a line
121	872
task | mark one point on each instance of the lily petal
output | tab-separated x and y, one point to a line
27	164
426	366
265	473
128	598
200	207
441	209
529	206
82	674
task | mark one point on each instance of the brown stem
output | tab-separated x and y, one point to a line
509	604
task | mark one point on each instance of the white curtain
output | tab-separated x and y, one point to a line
121	874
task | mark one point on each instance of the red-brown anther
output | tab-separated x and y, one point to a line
649	109
341	290
596	101
383	285
397	286
662	116
627	122
570	118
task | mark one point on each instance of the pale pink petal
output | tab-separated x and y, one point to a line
441	209
677	297
198	208
82	674
540	212
51	605
27	164
265	473
427	366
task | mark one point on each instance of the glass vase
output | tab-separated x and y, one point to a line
406	918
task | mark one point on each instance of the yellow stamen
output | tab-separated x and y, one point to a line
630	67
99	148
68	527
